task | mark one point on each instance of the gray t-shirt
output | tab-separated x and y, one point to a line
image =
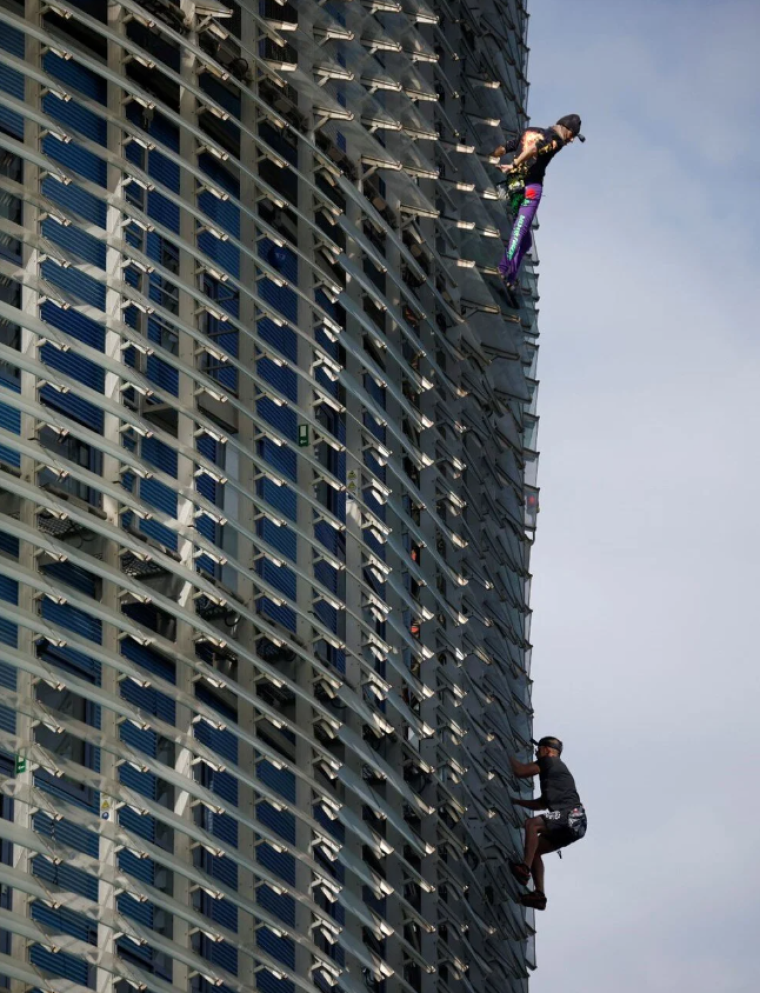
557	784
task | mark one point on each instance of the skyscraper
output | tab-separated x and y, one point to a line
267	496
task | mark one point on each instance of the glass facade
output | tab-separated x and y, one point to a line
267	497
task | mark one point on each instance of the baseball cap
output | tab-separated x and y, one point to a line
573	123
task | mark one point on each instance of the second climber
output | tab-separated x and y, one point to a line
535	148
562	823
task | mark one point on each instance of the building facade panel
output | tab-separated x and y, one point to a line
267	496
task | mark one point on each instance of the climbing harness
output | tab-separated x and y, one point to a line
513	191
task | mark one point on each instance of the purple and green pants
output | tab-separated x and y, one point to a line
520	239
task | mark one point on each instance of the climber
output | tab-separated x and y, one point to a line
563	823
536	147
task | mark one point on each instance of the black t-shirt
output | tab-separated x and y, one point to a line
547	143
557	784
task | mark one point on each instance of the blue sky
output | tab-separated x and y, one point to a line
645	595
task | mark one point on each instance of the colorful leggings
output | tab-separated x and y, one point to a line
520	238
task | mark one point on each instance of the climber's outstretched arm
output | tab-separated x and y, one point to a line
531	154
526	155
523	770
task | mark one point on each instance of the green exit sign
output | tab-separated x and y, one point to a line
303	435
20	765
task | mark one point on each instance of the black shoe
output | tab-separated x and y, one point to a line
535	899
520	871
512	288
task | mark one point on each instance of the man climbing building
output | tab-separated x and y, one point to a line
563	823
535	148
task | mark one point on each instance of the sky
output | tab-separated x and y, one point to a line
645	592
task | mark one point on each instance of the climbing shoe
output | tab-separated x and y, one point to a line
535	899
520	871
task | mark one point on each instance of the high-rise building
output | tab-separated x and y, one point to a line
267	497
